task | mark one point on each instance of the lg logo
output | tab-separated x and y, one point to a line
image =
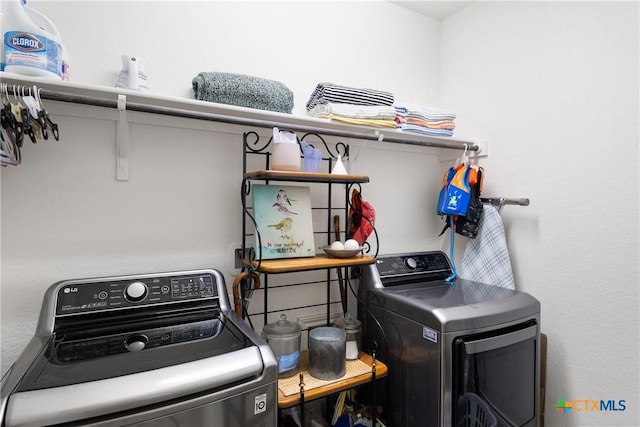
260	404
70	290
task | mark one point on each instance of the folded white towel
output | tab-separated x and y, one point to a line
486	258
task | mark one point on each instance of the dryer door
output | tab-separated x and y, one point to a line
496	377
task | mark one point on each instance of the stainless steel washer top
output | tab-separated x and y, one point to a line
130	349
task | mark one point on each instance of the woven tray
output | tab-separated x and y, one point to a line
291	385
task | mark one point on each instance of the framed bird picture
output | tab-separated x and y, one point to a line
283	219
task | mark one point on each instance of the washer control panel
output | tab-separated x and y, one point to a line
84	297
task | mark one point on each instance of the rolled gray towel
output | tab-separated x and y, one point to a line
243	91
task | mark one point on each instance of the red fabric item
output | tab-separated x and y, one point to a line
359	212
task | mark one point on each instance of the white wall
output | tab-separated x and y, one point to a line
554	87
65	216
361	44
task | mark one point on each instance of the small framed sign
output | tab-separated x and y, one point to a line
284	222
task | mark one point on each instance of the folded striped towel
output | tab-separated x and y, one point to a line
329	92
243	91
425	130
425	112
486	258
441	124
354	111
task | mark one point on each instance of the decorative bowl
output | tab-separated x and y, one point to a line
337	253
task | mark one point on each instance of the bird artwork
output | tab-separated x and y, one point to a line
283	226
282	211
284	222
282	198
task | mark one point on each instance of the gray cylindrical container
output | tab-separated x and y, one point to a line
327	353
283	337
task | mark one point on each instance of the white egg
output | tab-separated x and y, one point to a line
351	245
338	246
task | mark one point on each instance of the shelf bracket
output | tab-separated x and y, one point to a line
483	149
122	142
364	142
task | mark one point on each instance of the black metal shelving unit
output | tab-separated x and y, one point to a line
254	146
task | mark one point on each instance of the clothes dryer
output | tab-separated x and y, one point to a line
455	350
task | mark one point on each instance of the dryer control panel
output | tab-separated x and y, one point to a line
433	263
75	297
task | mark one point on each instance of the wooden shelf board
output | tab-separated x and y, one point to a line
306	177
288	265
334	387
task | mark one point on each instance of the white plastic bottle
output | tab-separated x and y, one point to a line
31	42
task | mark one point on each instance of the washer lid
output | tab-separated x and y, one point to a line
70	359
108	396
457	306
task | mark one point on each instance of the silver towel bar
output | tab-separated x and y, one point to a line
499	202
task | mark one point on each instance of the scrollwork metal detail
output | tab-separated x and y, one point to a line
341	149
254	146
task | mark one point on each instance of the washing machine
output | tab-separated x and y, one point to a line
459	353
161	349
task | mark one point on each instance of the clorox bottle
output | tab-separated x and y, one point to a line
31	42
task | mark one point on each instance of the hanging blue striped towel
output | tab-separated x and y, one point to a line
486	258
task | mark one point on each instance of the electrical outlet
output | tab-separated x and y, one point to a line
239	257
236	256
